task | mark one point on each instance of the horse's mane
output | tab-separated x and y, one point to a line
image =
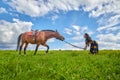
48	30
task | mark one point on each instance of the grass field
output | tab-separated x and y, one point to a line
60	65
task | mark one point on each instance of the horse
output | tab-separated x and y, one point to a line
41	38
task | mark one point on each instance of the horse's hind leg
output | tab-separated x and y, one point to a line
47	48
21	48
26	45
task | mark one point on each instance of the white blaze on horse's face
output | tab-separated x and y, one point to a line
60	37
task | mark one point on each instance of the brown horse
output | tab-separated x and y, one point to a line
40	39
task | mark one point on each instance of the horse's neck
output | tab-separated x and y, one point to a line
50	35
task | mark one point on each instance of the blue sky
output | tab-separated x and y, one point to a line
72	18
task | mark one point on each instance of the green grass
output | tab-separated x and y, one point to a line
60	65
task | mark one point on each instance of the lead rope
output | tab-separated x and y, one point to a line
73	45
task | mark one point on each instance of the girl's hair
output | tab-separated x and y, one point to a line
87	34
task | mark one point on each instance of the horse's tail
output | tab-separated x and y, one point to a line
18	42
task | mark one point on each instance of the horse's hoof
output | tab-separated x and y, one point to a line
46	52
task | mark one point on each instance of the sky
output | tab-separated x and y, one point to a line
72	18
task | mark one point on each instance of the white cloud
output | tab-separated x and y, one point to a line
3	10
96	8
77	28
76	32
54	17
109	41
113	29
104	7
107	37
108	45
109	22
37	8
85	28
108	14
9	31
106	11
68	31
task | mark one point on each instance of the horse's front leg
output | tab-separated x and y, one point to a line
36	49
26	45
47	47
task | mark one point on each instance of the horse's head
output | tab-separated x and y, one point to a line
59	36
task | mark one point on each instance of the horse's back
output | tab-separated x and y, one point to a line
30	36
30	33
